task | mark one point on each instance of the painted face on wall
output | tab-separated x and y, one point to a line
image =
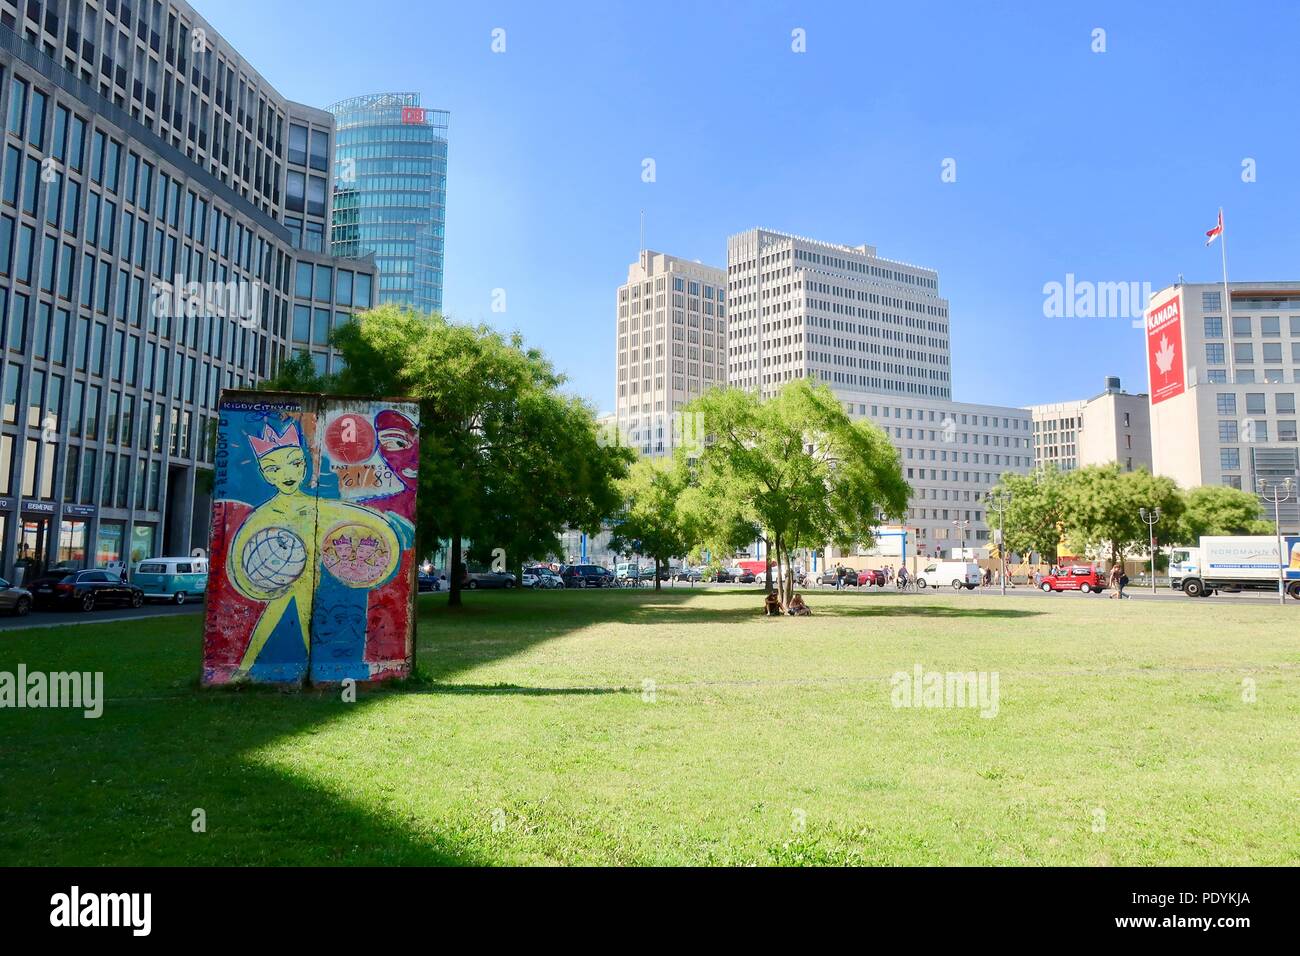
397	444
284	468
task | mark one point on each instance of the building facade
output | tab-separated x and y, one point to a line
671	348
876	332
1114	426
390	198
159	241
1223	379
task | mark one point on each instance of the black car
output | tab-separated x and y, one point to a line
432	581
746	576
85	590
587	576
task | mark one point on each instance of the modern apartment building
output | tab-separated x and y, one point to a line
671	348
390	196
1114	426
875	331
1223	384
161	238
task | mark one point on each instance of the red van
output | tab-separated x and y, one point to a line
1081	578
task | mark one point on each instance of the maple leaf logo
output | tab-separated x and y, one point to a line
1164	356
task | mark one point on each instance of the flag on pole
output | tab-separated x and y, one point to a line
1217	231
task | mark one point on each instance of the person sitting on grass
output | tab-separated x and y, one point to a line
772	605
798	608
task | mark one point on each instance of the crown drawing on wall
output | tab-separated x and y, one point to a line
270	441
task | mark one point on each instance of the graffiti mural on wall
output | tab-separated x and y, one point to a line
313	536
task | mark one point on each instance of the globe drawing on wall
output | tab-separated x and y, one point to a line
274	558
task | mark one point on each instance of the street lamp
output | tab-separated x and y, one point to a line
998	501
1280	492
962	524
1151	517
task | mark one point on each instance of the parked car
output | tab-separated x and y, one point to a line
871	576
172	579
632	572
690	575
17	601
586	576
828	577
954	574
85	590
725	575
490	579
431	581
745	576
1080	578
543	578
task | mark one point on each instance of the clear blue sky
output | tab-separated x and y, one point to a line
1109	166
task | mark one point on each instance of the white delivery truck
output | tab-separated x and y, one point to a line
958	574
1236	563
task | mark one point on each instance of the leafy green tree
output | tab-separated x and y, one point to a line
1219	510
1035	511
298	374
506	459
1103	505
650	521
796	467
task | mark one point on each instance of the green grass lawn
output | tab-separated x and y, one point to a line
532	737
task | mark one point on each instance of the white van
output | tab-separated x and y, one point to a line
954	574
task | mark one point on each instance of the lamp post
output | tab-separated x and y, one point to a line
1151	517
998	501
1280	491
962	524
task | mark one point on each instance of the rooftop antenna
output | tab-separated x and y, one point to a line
642	230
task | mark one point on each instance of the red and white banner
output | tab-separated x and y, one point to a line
413	115
1166	369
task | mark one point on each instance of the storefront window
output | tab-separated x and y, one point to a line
142	543
108	545
72	544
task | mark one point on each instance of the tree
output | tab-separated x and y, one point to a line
506	459
650	521
1219	510
1103	508
796	467
1035	512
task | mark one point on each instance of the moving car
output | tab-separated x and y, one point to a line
586	576
172	579
1083	577
17	601
85	590
954	574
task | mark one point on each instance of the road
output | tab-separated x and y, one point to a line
97	616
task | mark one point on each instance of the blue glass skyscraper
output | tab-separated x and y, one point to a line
390	193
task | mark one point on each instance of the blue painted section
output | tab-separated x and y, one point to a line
283	659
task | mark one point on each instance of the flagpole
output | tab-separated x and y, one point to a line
1227	297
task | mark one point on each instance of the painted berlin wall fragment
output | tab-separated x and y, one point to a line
311	572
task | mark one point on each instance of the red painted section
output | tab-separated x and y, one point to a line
230	617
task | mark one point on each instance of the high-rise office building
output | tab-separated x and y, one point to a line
876	332
1114	426
160	239
672	336
1223	384
390	198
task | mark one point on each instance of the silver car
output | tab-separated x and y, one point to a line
17	601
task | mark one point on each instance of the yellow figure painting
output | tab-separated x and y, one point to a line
286	541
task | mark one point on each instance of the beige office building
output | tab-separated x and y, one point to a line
1223	385
1114	426
672	335
876	331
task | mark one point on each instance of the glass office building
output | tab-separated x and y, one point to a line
390	193
161	238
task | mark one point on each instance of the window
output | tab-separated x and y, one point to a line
1242	352
1214	353
324	283
1229	459
1255	403
302	280
1284	403
1270	326
1227	430
1214	327
1272	351
1226	403
1286	430
297	144
1241	326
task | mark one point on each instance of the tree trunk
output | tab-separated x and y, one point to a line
658	583
767	583
453	572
